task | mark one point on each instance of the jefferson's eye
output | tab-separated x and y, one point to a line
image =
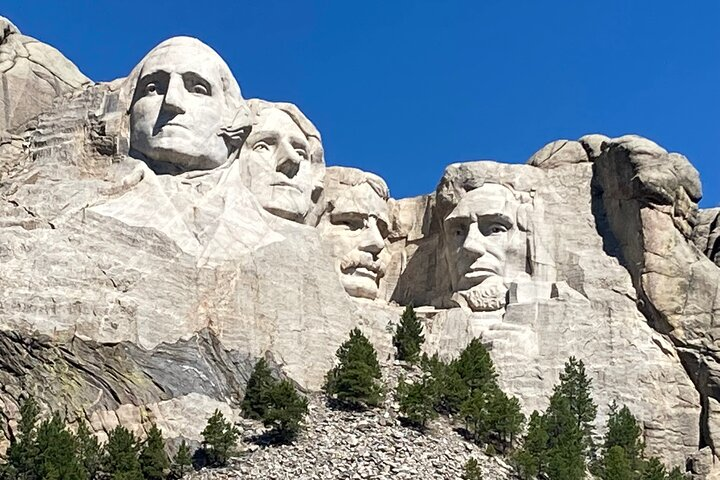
150	88
261	147
200	89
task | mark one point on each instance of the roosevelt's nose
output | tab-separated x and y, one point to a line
174	100
475	241
372	240
288	160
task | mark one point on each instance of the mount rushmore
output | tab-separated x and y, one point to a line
159	233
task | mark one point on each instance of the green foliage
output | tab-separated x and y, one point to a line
22	453
450	389
676	474
417	400
575	386
531	459
474	366
55	448
88	450
566	450
472	471
284	411
219	438
182	462
504	418
255	400
154	462
408	336
653	469
474	412
616	465
623	430
354	382
120	461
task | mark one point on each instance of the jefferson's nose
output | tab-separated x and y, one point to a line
372	240
175	96
288	160
475	241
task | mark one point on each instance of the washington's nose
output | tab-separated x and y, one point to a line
175	96
475	241
372	240
288	160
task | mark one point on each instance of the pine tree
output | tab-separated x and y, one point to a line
182	462
22	453
504	418
623	430
417	400
676	474
475	366
616	465
153	459
285	410
472	471
566	451
88	450
56	458
408	336
354	382
474	412
575	386
255	401
532	459
653	469
219	438
120	461
450	390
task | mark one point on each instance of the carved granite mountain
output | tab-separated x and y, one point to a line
143	276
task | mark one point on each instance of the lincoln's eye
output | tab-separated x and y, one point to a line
200	89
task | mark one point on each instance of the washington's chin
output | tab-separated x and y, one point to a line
360	285
287	202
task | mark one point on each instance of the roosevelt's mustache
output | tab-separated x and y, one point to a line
359	259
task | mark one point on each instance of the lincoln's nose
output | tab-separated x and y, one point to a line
475	241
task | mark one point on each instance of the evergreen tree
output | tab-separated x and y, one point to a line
285	410
153	459
182	462
676	474
120	461
616	465
417	400
504	418
623	430
450	391
219	438
566	451
88	450
22	453
575	386
653	469
474	412
255	401
472	471
532	459
475	367
56	457
408	336
354	382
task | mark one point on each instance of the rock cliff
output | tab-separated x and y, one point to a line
146	269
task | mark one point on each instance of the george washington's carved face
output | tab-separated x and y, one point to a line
180	103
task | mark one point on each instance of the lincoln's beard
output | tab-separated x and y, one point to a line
488	296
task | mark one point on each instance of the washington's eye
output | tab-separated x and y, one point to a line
200	89
150	88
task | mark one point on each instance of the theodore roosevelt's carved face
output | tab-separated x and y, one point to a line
356	226
479	237
184	94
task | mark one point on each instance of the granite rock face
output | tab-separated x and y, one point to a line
143	277
32	76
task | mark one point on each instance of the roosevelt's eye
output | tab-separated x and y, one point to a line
150	88
200	89
261	147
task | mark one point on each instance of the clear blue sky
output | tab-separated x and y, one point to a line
403	88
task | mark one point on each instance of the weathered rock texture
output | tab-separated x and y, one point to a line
131	295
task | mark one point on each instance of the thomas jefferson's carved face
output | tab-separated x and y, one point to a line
357	227
179	107
276	165
479	235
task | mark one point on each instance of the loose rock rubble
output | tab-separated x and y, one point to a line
359	445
